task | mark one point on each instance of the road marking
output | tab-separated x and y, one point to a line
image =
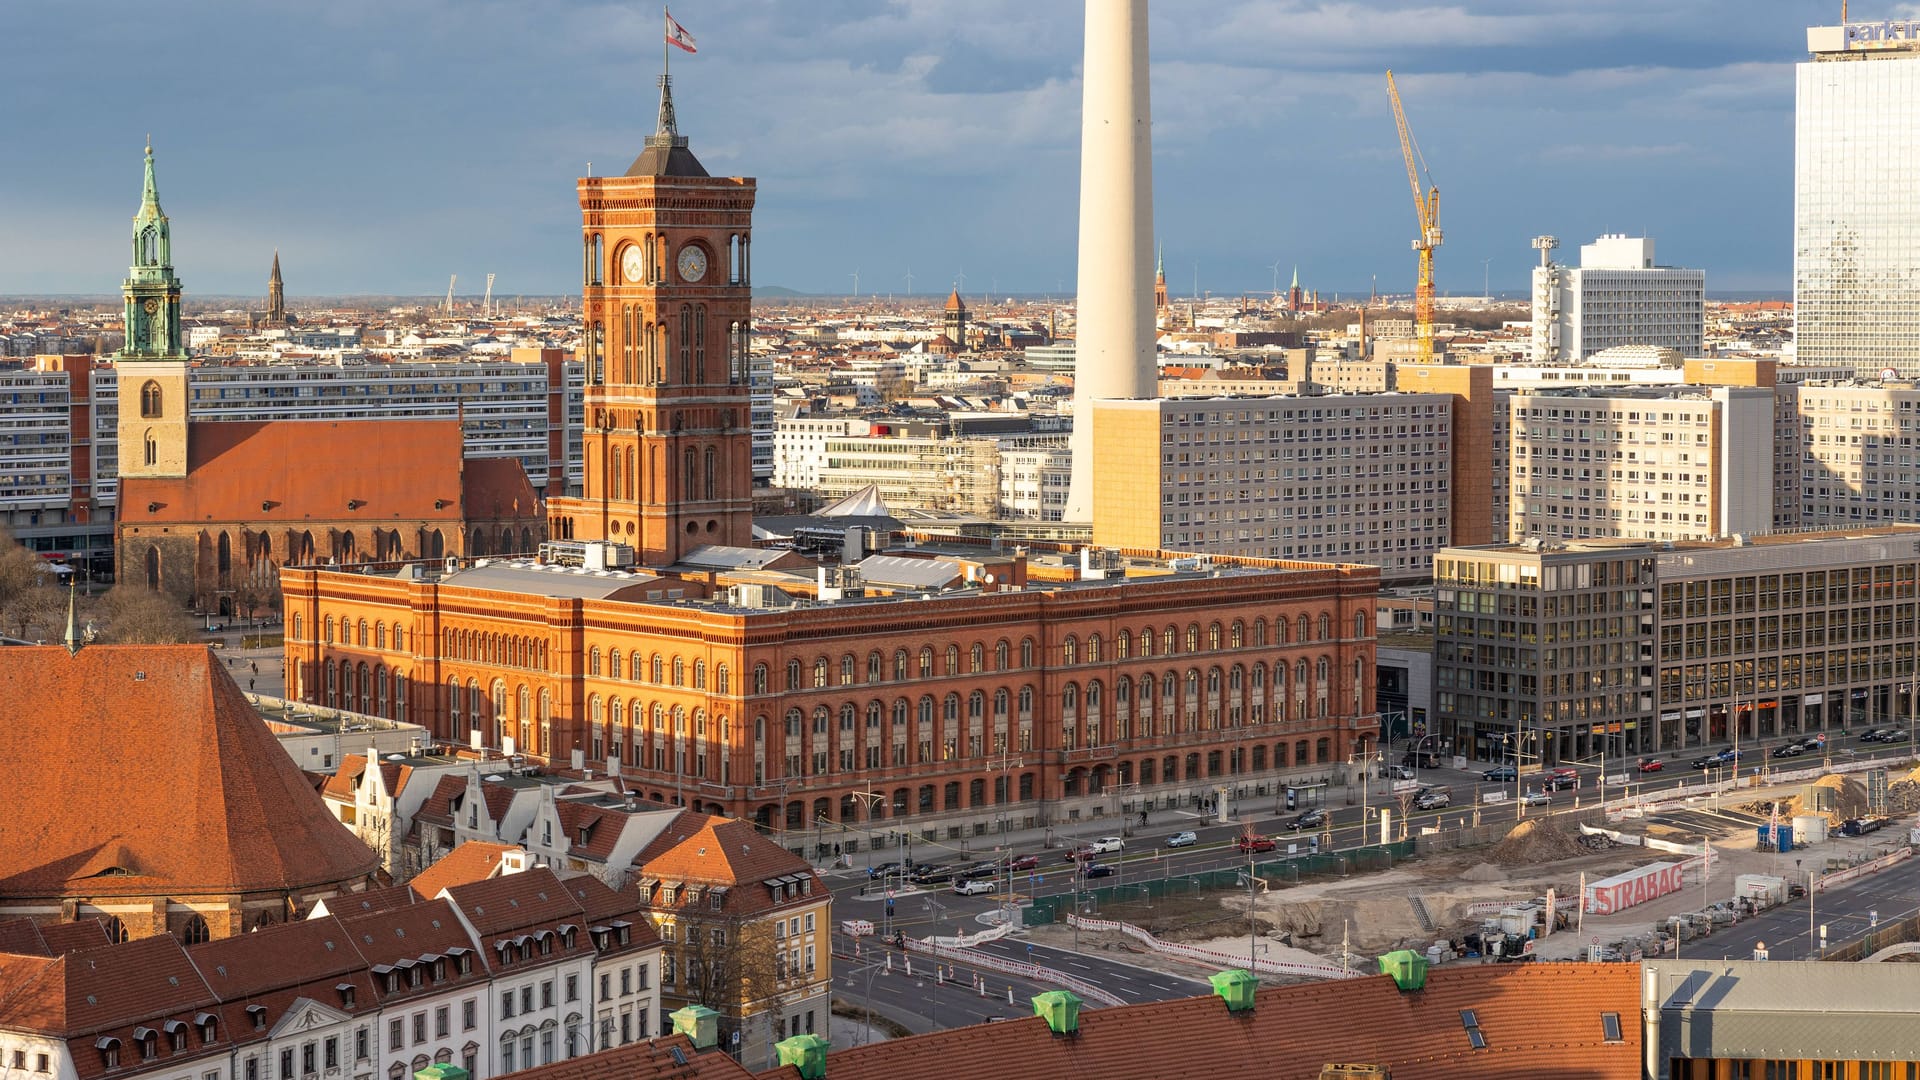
1157	986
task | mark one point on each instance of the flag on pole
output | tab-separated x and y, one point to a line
677	35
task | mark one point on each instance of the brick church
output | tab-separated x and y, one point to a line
210	510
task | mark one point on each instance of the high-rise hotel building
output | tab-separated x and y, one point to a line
1856	198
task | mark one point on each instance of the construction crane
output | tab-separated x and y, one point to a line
451	278
1426	206
487	303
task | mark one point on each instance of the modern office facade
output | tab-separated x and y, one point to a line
1856	186
1661	648
1687	463
1616	296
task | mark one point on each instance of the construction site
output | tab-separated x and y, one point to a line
1515	892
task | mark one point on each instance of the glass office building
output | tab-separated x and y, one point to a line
1856	257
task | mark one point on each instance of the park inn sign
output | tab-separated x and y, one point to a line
1624	890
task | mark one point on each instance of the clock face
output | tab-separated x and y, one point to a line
633	263
152	306
692	263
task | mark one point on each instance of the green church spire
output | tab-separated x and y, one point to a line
152	292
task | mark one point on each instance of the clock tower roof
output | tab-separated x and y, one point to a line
666	153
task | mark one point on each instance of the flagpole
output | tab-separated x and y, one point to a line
666	45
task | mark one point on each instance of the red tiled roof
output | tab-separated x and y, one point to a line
475	860
1538	1020
438	807
291	471
157	777
99	989
515	903
497	488
649	1060
702	849
403	938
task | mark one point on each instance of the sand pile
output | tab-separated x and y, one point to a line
1537	841
1484	872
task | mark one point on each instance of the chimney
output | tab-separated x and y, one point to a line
699	1023
806	1053
1235	986
1113	346
1061	1009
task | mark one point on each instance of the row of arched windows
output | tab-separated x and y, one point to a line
504	650
657	669
364	634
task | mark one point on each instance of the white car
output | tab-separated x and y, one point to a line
1182	839
1106	844
970	888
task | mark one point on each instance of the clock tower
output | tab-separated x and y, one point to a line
152	365
668	443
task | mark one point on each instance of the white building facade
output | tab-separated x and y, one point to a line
1616	296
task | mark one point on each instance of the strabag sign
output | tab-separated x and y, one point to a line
1623	891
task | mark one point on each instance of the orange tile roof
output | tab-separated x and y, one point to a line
288	471
1538	1019
475	860
649	1060
702	849
156	777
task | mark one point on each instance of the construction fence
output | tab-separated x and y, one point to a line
1286	871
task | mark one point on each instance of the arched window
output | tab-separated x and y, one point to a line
1300	628
614	667
699	674
593	660
977	659
760	678
1146	643
1213	636
1069	652
150	400
722	680
1326	626
195	931
1123	646
1359	624
926	663
152	449
1001	656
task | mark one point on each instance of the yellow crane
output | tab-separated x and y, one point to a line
1426	206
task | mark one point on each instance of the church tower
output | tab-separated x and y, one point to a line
955	326
276	294
668	445
152	364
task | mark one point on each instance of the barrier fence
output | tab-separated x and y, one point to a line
1213	956
1001	964
1045	910
1865	869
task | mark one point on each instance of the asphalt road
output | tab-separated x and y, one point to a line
1847	912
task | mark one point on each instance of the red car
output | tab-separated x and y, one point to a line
1254	843
1023	862
1652	764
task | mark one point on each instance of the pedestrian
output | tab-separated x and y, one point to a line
255	666
249	684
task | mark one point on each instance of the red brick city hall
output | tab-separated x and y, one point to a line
960	689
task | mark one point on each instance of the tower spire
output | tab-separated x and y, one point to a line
73	620
150	195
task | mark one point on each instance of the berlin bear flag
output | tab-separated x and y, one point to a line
677	35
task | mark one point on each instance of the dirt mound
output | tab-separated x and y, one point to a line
1537	841
1483	872
1848	800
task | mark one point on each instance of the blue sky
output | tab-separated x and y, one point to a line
382	145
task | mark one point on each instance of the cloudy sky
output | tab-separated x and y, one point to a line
382	145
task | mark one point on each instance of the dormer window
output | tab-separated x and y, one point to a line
393	982
439	968
414	976
149	1041
546	943
258	1014
109	1048
622	932
346	994
208	1025
176	1035
462	960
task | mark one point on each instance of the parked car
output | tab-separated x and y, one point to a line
1403	772
1023	862
1861	826
1183	839
1652	764
1106	844
977	870
1501	772
1814	742
972	887
1308	819
1792	749
880	870
1888	735
1099	869
1246	844
1872	734
931	875
1707	762
1433	799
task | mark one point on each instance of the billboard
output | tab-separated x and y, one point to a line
1624	890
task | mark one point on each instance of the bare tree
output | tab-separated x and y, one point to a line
29	602
131	615
735	966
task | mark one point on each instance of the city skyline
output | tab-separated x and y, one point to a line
358	164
